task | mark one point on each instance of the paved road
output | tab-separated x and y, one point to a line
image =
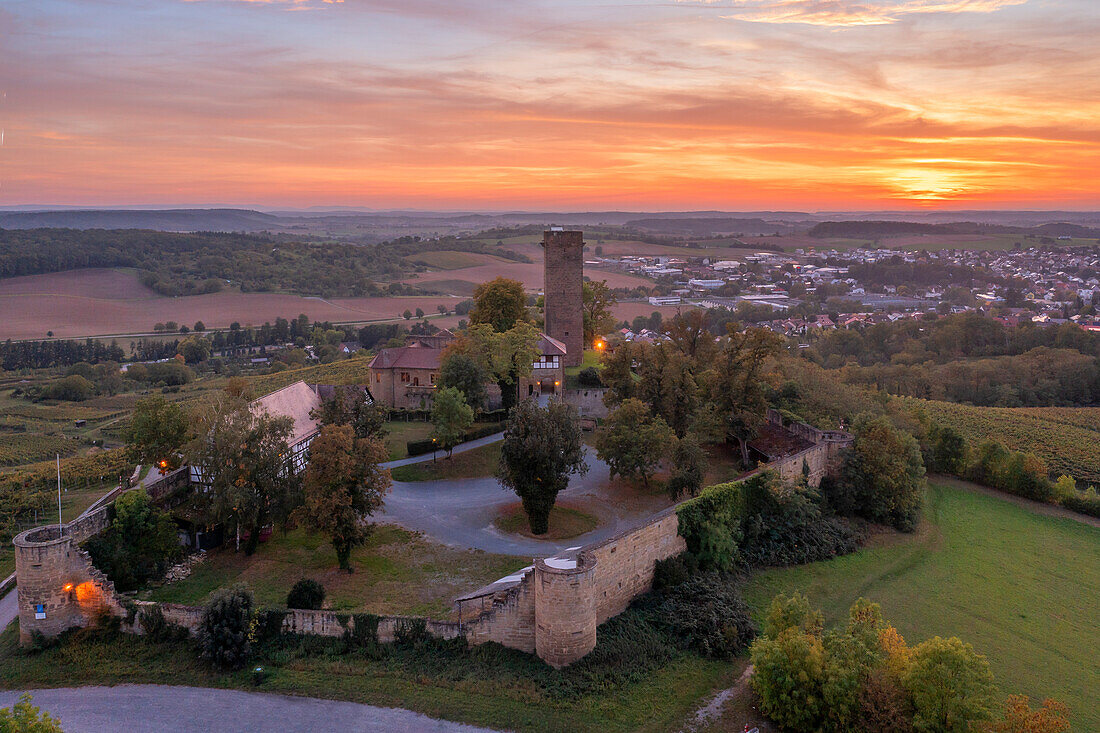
160	709
461	511
9	607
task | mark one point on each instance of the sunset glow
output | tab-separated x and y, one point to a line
695	104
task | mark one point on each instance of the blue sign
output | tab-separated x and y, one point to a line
39	611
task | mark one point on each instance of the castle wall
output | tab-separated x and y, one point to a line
587	400
563	284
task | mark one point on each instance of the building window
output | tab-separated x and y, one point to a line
416	381
377	377
404	377
432	377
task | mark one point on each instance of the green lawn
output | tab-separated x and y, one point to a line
565	522
399	432
1024	589
474	463
396	572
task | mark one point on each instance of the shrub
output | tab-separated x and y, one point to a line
711	527
139	543
705	614
410	631
1086	502
783	525
589	377
224	629
363	632
153	623
675	570
306	594
268	624
23	717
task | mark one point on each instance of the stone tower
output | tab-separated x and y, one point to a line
563	278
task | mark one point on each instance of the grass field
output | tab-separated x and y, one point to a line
565	522
451	260
1067	438
396	572
1022	588
481	461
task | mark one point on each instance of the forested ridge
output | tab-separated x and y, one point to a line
201	262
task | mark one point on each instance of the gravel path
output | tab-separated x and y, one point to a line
160	709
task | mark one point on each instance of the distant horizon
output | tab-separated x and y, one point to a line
321	208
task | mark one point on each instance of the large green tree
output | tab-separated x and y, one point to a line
506	356
158	430
501	303
739	382
542	448
243	457
951	685
632	442
348	406
464	373
882	475
342	486
597	300
451	418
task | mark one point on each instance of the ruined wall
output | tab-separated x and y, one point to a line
563	283
508	618
587	400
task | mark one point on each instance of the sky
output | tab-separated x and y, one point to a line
552	104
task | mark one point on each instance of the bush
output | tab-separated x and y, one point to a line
225	626
23	717
157	628
589	377
410	631
268	624
711	526
704	614
1086	502
675	570
306	594
363	632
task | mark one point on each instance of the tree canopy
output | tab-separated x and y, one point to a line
542	448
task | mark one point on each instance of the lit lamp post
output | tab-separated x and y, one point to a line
433	449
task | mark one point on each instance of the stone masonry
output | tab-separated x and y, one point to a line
563	290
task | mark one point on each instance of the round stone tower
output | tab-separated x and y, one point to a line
48	583
565	609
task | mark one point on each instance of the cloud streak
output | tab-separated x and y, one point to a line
843	13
